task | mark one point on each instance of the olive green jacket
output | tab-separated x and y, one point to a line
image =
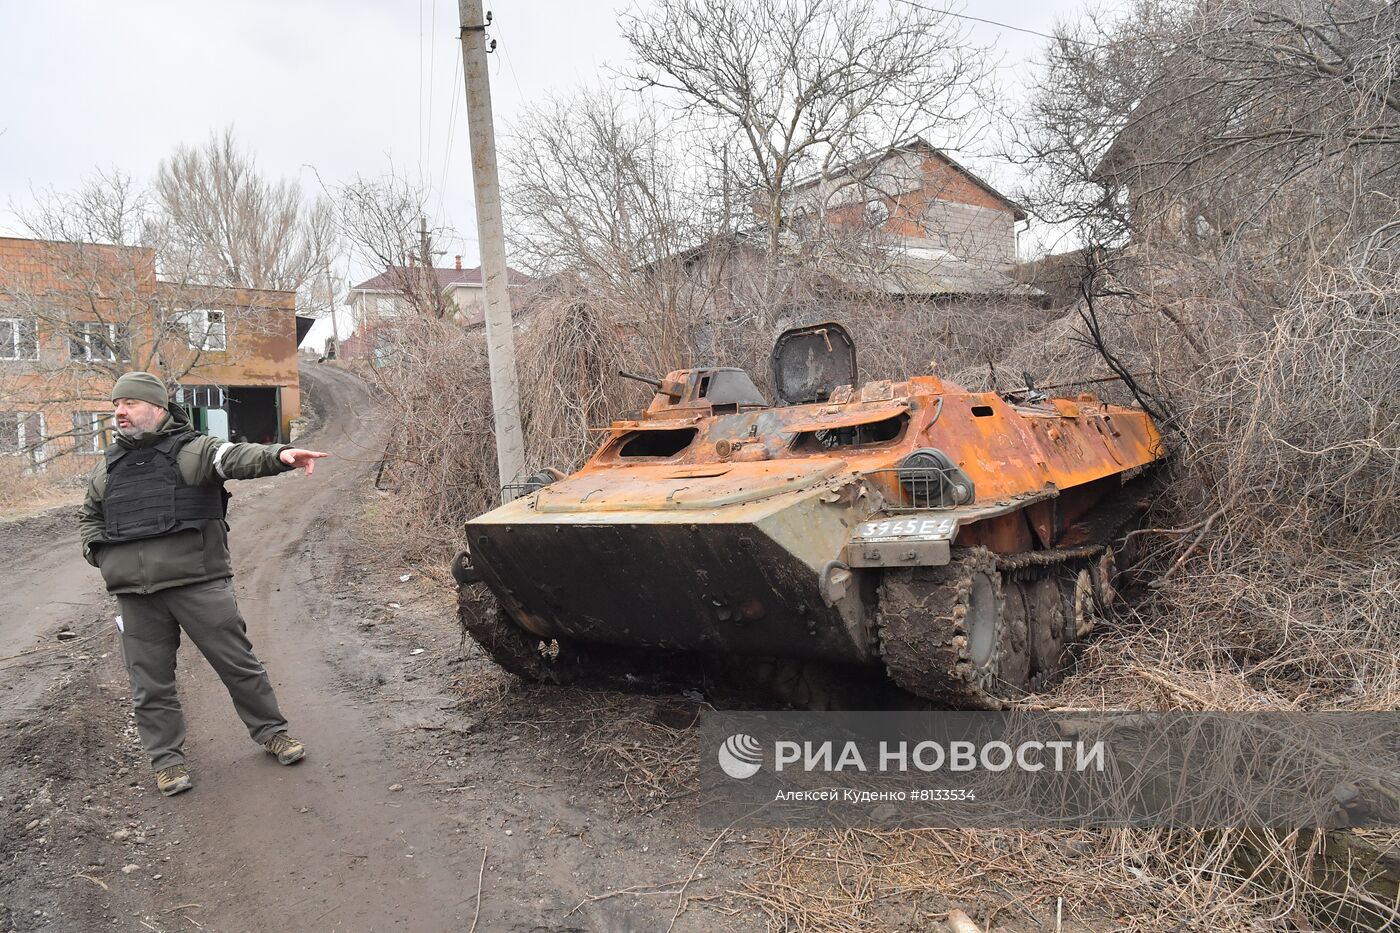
194	555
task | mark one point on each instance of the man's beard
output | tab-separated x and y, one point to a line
131	432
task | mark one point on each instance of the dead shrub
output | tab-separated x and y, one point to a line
1274	556
439	465
855	881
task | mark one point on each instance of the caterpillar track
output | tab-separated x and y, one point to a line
508	644
984	630
557	661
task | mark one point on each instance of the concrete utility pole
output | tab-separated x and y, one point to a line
428	278
330	300
500	334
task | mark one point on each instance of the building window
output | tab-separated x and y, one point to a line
205	329
11	432
22	432
91	431
93	340
383	348
19	338
200	396
876	212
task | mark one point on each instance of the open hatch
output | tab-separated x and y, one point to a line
809	362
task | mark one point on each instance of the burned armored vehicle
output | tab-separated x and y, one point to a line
961	541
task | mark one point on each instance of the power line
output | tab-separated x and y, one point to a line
452	116
505	53
451	126
992	22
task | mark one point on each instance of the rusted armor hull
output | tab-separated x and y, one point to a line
719	588
960	539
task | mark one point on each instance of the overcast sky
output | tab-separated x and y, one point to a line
339	87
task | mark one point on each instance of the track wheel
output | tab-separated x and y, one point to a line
1105	573
1046	618
1081	605
940	630
1014	673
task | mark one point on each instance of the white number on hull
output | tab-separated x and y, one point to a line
918	527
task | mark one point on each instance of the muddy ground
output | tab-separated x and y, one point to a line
427	762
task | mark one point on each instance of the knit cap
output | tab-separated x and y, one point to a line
144	386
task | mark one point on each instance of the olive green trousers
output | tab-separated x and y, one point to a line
208	614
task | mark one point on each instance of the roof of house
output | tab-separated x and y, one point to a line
388	280
911	144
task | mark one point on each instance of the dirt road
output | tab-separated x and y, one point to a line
429	768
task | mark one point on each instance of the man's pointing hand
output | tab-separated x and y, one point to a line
301	459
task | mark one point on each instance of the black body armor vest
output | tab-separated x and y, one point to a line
146	495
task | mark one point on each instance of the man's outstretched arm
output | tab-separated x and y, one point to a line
221	460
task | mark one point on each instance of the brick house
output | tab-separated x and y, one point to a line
907	222
75	315
915	197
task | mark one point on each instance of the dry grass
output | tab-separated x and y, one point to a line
25	492
863	880
654	764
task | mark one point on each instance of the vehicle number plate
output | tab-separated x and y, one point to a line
928	529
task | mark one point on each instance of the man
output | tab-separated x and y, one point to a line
153	523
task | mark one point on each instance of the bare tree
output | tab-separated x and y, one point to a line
601	199
1203	120
800	86
107	207
221	222
380	220
596	185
